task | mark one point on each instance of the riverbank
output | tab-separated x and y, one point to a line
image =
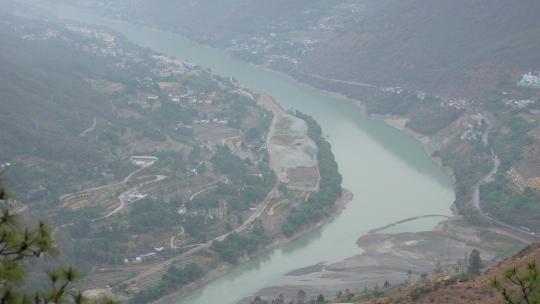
397	122
376	160
280	240
397	258
223	268
427	142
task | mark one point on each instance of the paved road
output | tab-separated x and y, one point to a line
505	229
123	198
125	180
202	191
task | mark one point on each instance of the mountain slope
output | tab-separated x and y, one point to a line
450	47
478	290
46	102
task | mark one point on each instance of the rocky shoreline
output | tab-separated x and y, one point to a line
390	257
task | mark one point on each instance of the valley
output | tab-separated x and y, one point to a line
188	171
208	184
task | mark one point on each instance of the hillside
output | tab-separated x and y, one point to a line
445	289
456	48
46	104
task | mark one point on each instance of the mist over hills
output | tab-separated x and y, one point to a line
46	103
451	47
458	47
156	172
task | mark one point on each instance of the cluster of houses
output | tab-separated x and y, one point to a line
5	165
48	34
92	33
135	196
145	256
173	67
99	43
473	127
395	90
519	104
103	44
420	95
183	95
530	80
457	103
213	120
292	38
220	212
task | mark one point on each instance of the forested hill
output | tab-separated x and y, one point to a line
449	47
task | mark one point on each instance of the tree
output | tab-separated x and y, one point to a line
253	134
475	263
320	299
409	276
301	297
20	245
524	287
438	267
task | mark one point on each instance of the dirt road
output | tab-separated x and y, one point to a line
504	228
270	104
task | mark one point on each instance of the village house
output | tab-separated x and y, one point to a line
530	80
143	161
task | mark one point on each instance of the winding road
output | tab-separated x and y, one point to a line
125	180
123	198
92	127
202	191
163	266
505	229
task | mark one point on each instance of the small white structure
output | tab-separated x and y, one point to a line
530	80
143	161
133	197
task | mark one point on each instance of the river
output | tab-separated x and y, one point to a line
388	172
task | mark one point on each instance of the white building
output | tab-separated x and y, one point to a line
143	161
529	80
